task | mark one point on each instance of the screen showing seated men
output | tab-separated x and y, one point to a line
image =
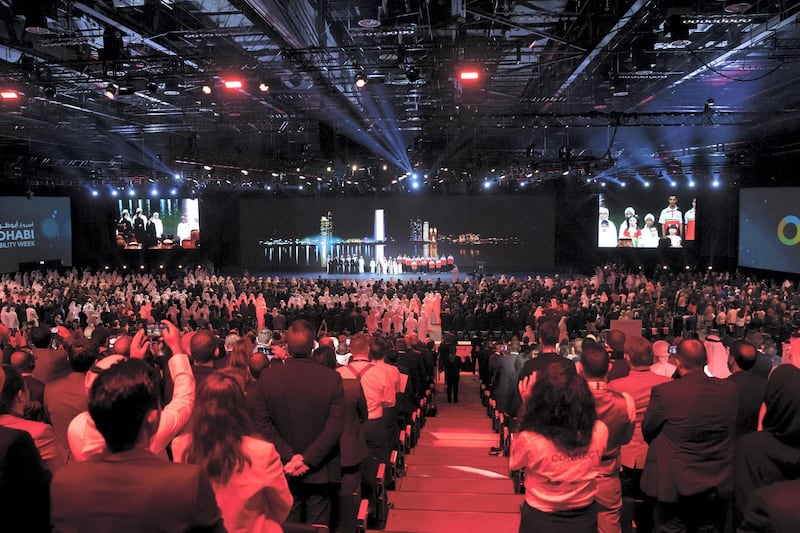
769	228
640	219
153	224
38	229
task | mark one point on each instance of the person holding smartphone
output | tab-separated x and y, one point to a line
85	440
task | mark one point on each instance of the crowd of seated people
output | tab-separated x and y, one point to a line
176	354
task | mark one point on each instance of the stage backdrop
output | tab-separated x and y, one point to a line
491	233
34	229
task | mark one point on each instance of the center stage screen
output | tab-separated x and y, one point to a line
351	235
769	228
33	230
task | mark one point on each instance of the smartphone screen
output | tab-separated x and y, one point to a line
153	330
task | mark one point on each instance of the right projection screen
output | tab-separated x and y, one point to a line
769	228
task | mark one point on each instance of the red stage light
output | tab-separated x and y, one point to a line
233	84
9	94
469	75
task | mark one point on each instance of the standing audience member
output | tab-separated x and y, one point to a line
66	397
24	361
548	350
661	354
353	446
689	426
559	445
50	363
13	399
616	343
638	384
772	454
85	439
24	481
617	411
451	363
299	407
379	391
204	348
245	472
129	489
750	386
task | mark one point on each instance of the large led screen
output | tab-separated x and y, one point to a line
769	228
37	229
640	219
157	224
411	234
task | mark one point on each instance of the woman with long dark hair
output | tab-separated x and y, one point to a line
559	444
246	472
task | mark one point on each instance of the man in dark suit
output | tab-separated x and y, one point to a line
751	386
24	481
299	407
129	489
689	426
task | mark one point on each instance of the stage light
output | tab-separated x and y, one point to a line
208	168
233	84
114	193
715	183
49	92
469	74
9	94
361	81
487	184
691	183
154	192
263	87
95	193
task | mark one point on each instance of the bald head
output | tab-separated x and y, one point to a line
22	360
744	354
691	355
122	345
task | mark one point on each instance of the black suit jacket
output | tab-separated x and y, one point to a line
750	389
24	484
689	425
773	509
299	407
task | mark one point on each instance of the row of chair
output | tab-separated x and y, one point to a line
501	424
374	510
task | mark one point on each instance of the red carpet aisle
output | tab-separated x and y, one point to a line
452	484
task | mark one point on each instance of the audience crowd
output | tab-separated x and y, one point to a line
158	402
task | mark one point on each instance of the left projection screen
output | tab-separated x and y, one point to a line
38	229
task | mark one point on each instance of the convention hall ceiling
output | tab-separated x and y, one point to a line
264	92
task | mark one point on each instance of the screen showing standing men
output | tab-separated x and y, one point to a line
650	220
148	223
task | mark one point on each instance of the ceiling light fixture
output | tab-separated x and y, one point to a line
206	89
361	81
735	7
9	94
263	87
469	74
233	84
